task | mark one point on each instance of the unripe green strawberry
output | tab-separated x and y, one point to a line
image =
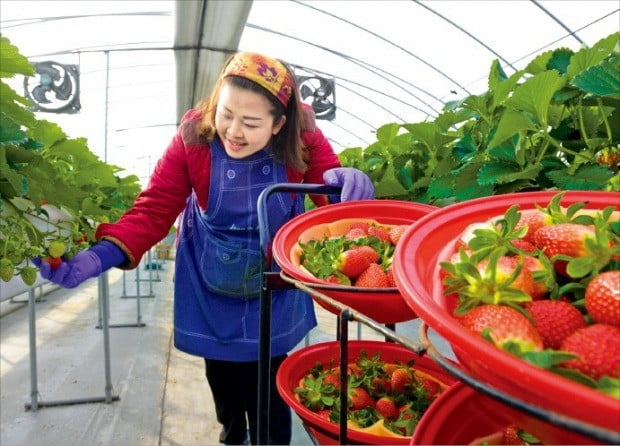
29	275
6	269
57	248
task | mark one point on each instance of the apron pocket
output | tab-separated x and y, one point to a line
230	270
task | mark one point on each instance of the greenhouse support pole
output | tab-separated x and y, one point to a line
34	392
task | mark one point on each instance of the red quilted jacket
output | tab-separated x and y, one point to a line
185	167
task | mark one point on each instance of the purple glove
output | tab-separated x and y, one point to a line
355	184
86	264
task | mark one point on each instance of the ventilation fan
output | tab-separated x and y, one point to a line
319	92
54	88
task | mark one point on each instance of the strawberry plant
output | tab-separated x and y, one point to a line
553	124
53	189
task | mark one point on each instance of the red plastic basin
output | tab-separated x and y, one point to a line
416	272
384	307
296	366
444	423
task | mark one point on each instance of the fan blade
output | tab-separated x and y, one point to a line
38	94
63	91
324	90
306	91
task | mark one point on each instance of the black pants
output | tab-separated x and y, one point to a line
235	391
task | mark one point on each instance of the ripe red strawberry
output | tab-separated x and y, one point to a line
603	298
523	245
54	262
505	325
512	435
379	232
396	233
333	378
400	379
355	233
381	385
353	262
386	408
390	277
372	277
324	413
533	219
598	348
555	320
566	239
360	398
432	388
539	287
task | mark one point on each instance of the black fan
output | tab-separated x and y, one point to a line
319	92
54	88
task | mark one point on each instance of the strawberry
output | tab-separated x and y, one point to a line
504	326
7	269
355	233
533	219
381	385
468	233
602	298
400	379
396	233
353	262
523	245
555	320
54	262
57	248
29	275
333	378
390	277
379	232
567	239
359	398
387	408
360	225
543	278
511	435
598	348
324	413
372	277
431	387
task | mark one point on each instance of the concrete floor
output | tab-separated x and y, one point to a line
164	396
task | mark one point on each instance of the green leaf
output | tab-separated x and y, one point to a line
539	63
588	57
425	132
602	79
442	186
477	104
12	61
609	386
388	185
535	94
586	177
502	90
10	132
511	122
46	132
560	60
468	186
498	172
386	133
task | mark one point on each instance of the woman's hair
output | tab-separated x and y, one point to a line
286	145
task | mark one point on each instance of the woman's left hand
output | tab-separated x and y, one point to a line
355	184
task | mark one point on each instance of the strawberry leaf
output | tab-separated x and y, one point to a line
609	386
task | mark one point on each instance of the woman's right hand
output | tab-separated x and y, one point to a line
71	273
84	265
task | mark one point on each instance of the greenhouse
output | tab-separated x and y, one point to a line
209	209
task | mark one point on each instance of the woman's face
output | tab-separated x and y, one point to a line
243	121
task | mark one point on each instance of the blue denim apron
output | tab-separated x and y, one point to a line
217	276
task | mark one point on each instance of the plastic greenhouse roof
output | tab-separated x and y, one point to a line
392	61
